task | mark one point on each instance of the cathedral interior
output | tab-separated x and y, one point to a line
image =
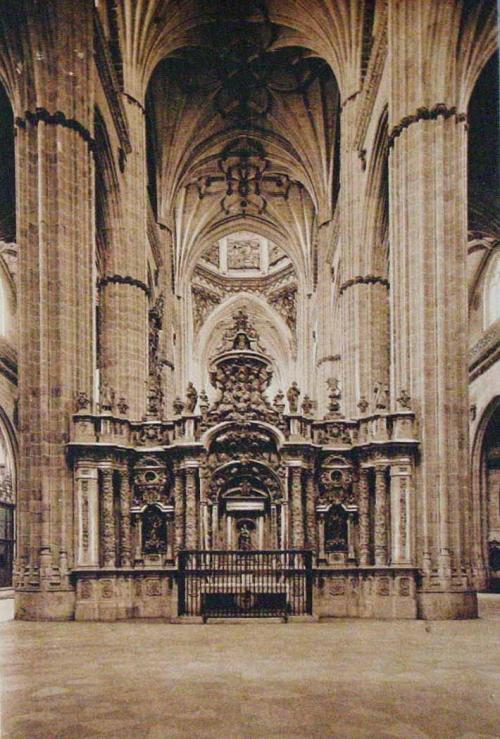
249	308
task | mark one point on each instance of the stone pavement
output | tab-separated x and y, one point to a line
344	678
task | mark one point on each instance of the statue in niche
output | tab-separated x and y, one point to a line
154	531
245	538
242	342
334	396
107	397
293	397
191	398
336	530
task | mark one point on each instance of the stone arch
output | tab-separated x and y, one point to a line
276	336
261	227
486	508
8	498
7	167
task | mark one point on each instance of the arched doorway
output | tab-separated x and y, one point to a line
7	506
486	480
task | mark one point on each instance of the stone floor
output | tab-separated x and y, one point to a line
337	679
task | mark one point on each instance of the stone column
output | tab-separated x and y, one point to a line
125	534
401	513
179	509
321	537
380	535
429	308
364	517
54	184
350	189
310	510
108	520
191	508
296	508
351	553
363	283
124	289
87	506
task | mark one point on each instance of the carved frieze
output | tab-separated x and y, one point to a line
243	253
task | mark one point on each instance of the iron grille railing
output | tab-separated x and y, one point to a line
248	584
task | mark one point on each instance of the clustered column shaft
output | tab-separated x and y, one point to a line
191	509
310	511
108	523
296	499
380	516
125	542
364	520
179	510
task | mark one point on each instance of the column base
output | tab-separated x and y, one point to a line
434	606
53	605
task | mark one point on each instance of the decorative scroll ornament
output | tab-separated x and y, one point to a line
204	301
285	302
150	483
241	372
153	434
336	482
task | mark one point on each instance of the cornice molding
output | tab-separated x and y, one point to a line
426	114
123	280
364	280
56	119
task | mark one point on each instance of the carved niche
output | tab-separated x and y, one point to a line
154	531
336	533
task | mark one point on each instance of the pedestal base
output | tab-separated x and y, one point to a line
448	605
53	605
